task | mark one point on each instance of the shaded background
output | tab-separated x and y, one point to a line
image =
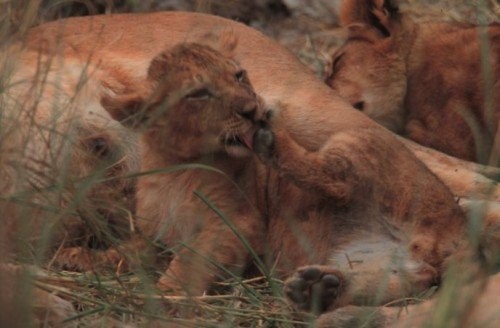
307	27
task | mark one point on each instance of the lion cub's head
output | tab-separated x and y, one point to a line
367	70
194	102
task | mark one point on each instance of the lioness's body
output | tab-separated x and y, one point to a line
338	178
436	83
56	143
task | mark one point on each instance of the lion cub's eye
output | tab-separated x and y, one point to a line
241	76
202	93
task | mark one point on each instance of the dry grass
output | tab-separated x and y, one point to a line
130	299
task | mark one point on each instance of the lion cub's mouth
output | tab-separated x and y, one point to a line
239	145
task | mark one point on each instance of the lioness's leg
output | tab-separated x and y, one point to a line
474	305
321	288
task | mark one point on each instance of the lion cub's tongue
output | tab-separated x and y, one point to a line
247	139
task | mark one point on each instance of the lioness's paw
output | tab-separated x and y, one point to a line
263	143
314	288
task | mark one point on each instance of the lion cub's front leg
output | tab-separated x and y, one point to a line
215	252
328	172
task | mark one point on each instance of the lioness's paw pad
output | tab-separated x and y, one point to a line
312	288
263	141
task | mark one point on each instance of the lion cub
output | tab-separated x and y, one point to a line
196	106
436	83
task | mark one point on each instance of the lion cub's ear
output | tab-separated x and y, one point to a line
363	32
129	109
379	14
223	40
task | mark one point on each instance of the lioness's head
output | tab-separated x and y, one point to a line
368	70
195	102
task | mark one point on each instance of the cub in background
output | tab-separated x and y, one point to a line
436	83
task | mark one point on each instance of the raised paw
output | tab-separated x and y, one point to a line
314	288
263	143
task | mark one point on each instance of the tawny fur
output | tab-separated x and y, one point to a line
436	83
339	181
56	145
471	306
16	301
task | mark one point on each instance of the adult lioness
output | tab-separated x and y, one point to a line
436	83
55	146
341	201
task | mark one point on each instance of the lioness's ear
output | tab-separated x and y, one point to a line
377	13
129	109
